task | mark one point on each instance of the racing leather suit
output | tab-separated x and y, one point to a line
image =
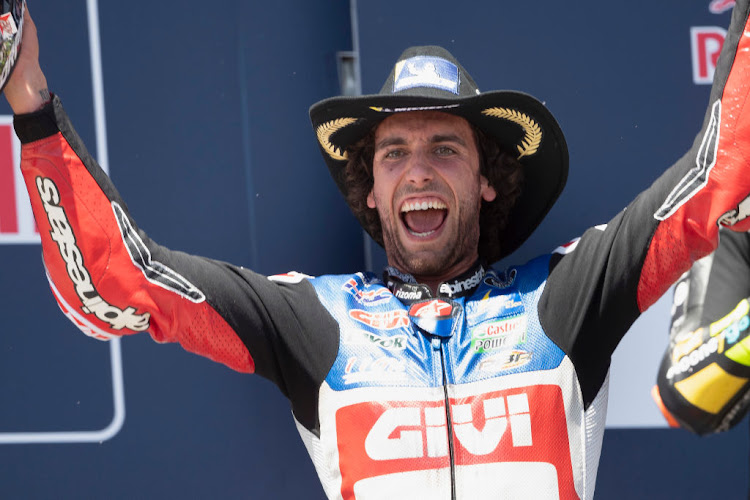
704	378
494	388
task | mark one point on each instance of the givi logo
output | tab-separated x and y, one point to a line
516	425
432	440
16	219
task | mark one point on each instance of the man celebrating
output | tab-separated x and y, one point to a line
447	379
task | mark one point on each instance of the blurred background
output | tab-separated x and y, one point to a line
199	112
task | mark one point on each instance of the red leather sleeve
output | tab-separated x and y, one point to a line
713	191
100	267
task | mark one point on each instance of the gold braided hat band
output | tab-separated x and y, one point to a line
326	130
528	146
532	131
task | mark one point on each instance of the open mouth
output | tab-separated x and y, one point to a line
423	218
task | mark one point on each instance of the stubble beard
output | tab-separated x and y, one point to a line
435	260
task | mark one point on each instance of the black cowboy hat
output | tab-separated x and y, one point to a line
430	78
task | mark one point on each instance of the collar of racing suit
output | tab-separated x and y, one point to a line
407	290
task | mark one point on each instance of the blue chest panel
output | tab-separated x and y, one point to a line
493	332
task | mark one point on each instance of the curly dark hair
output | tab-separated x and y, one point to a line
503	171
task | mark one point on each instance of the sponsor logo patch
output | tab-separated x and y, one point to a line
687	345
407	109
369	369
505	360
732	332
435	316
500	334
78	320
514	425
410	293
426	71
736	215
702	343
8	26
742	309
696	356
361	337
388	320
62	233
453	288
366	297
432	309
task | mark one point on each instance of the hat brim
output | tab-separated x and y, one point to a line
518	121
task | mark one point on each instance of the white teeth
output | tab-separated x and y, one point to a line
421	235
425	205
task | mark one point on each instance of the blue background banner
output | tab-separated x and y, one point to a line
202	124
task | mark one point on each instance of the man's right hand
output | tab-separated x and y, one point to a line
26	90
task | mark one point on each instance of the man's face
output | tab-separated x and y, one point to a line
428	192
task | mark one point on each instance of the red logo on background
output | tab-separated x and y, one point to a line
16	219
388	320
705	46
720	6
515	425
432	309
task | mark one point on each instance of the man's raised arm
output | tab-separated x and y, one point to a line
112	280
26	90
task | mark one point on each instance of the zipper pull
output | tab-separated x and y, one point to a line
435	343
